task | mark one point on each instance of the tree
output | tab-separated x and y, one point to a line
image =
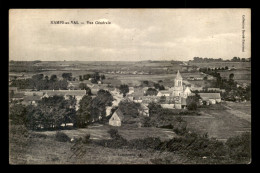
94	81
99	104
83	86
46	78
86	76
53	78
51	113
158	86
123	89
102	77
80	78
226	68
162	99
154	109
146	82
151	92
17	114
192	102
84	111
231	76
129	109
37	77
67	76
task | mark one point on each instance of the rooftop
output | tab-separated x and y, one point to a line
210	95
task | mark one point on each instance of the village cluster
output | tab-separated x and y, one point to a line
174	97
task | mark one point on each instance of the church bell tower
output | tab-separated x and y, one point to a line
178	80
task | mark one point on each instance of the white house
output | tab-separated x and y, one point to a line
117	118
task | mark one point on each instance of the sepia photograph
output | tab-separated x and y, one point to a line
129	86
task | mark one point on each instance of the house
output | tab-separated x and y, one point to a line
143	110
168	106
164	93
131	90
117	118
212	98
137	99
186	92
177	105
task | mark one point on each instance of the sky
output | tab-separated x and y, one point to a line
133	35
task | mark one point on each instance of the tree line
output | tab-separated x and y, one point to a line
41	82
234	59
95	77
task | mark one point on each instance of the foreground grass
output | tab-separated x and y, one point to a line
39	148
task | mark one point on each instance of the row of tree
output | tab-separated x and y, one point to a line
234	59
41	82
95	77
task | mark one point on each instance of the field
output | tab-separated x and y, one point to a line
219	122
99	131
242	73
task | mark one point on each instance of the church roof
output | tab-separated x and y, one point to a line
178	75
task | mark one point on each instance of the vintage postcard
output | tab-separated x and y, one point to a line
129	86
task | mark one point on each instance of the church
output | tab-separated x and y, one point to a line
179	90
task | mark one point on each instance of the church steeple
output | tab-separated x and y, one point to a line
178	76
178	80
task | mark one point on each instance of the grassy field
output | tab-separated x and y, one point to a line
39	150
47	150
98	132
218	122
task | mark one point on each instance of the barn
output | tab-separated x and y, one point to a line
212	98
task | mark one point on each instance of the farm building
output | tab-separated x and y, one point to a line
211	98
117	118
216	89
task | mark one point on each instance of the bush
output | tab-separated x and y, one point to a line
113	133
61	137
86	139
240	146
149	142
18	130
